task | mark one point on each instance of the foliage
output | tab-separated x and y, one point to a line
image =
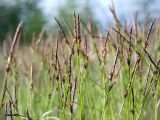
9	18
14	11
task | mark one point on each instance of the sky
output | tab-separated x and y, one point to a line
100	7
52	5
125	10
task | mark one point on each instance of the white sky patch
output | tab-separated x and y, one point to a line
51	6
50	9
125	10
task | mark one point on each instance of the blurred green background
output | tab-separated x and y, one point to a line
37	14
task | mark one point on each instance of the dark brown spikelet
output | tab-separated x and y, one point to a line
149	34
78	35
63	33
75	25
79	30
125	93
150	58
114	65
136	23
129	49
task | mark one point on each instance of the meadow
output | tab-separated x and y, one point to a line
80	74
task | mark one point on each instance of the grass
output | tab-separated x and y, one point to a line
84	75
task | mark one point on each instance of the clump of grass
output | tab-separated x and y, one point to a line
82	75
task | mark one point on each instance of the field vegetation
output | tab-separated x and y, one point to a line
80	73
